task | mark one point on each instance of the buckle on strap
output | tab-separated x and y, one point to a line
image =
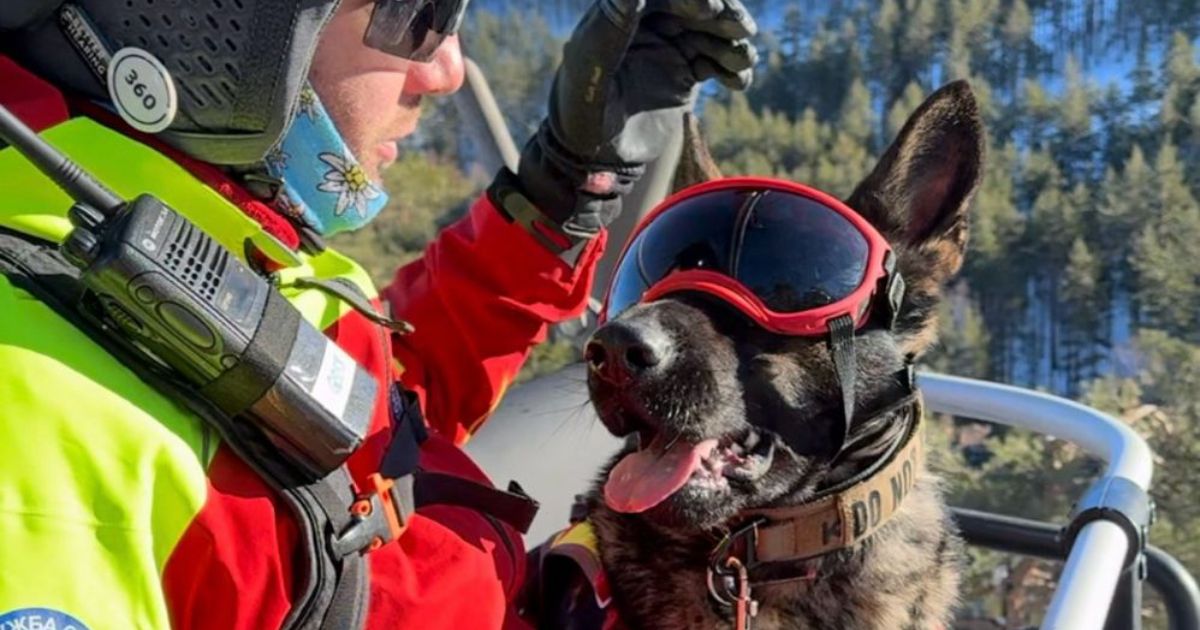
378	516
723	576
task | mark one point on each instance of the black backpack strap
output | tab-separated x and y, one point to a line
334	590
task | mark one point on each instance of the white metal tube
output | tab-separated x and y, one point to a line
1096	561
483	118
1101	435
1089	579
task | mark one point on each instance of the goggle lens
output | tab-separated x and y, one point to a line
792	252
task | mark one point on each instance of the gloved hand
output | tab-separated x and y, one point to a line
629	72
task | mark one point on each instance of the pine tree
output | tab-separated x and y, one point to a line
1017	51
1168	293
857	118
992	268
1125	205
1083	315
1075	145
962	346
907	103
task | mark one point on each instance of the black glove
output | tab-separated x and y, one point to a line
629	72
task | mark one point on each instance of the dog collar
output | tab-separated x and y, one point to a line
838	518
842	519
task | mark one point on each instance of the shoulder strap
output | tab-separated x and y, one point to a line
334	592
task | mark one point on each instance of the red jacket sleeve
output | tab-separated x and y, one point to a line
480	298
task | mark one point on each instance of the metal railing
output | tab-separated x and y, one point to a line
1097	559
1009	534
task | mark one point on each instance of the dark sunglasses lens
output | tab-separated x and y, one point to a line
797	254
794	253
412	29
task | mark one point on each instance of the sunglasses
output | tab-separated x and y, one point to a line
413	29
791	258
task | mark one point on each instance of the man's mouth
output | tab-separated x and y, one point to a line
665	464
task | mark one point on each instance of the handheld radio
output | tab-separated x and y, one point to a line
186	301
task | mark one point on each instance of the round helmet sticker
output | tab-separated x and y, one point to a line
142	90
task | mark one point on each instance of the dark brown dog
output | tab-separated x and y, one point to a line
775	403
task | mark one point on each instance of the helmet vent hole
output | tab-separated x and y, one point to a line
204	63
210	44
145	43
228	89
230	45
233	72
212	96
239	4
166	20
145	20
212	21
162	39
199	102
183	64
235	25
185	41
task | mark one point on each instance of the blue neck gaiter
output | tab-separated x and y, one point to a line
323	183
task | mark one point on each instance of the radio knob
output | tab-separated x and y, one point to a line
80	247
86	217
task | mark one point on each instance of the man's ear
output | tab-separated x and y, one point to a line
696	164
918	196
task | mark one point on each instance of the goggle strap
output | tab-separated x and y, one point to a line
841	344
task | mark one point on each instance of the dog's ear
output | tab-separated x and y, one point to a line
918	195
696	164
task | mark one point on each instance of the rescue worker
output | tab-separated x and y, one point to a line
119	508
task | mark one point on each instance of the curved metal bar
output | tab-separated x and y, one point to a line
1010	534
1176	586
1098	433
477	106
1096	561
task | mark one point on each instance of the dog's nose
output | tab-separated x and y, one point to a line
620	352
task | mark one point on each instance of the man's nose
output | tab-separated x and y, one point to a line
443	74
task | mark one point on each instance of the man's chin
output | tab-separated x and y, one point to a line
386	154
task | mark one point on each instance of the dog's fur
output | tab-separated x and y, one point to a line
729	377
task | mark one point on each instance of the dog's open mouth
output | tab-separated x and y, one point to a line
663	465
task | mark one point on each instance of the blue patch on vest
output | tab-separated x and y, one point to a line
39	619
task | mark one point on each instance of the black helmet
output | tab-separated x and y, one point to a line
238	65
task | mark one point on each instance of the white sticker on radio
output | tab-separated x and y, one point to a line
335	378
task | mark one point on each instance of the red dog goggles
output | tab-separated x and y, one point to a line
793	259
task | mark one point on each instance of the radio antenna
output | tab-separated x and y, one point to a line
61	170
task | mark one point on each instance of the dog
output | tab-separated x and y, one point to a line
774	401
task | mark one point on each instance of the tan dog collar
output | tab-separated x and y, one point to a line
844	519
837	520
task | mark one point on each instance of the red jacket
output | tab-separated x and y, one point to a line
480	298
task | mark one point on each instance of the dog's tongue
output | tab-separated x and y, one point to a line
645	478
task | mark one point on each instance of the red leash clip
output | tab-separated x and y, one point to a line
745	609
